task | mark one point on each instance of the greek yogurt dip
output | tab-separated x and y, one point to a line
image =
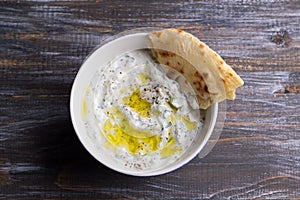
142	114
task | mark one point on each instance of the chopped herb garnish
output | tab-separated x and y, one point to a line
169	124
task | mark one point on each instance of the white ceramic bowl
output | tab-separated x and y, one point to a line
90	66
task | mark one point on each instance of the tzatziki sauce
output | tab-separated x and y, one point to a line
141	113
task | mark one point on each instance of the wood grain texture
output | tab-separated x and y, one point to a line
42	45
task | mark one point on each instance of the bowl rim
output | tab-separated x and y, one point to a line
119	45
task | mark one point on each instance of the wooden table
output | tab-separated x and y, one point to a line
42	45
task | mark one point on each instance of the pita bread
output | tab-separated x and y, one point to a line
212	79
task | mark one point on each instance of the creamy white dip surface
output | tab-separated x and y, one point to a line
140	113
